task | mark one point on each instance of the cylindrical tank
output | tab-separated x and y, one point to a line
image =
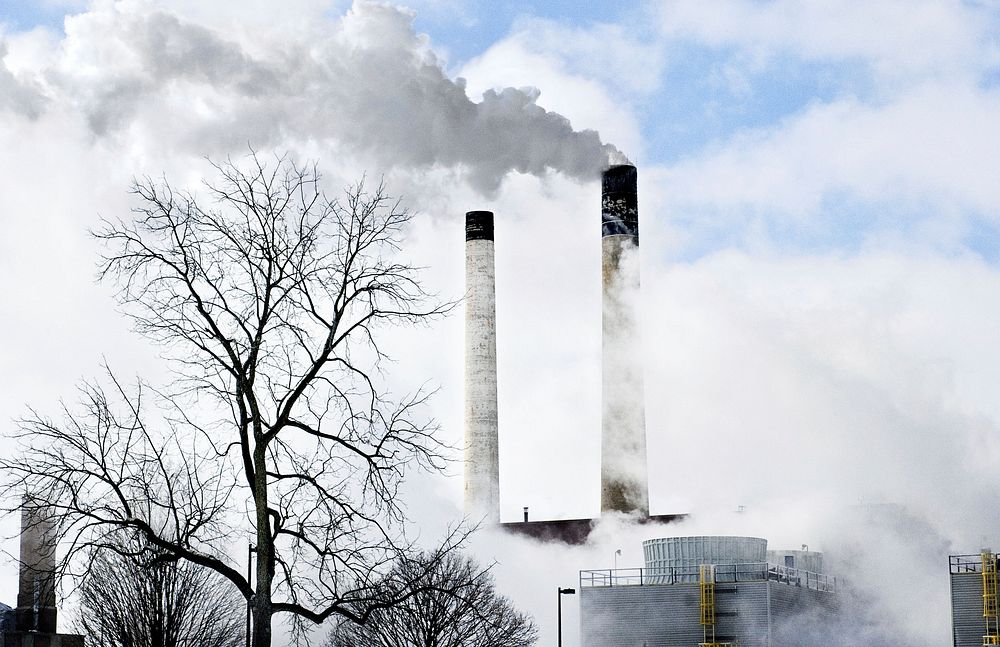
482	462
623	421
676	559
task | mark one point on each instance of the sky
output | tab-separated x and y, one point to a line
819	213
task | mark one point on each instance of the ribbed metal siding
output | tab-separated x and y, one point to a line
755	614
968	625
801	616
667	616
687	553
634	616
748	605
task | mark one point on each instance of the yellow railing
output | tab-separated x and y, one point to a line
989	562
989	585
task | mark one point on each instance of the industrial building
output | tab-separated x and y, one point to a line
974	619
623	436
709	592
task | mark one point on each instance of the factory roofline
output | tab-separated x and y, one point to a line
574	531
722	574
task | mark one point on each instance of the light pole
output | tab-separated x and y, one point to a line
562	592
251	549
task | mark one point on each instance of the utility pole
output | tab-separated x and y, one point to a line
250	551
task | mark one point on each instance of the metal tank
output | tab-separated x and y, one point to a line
676	559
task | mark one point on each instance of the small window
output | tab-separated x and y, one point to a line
790	561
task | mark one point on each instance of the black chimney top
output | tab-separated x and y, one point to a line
479	225
619	201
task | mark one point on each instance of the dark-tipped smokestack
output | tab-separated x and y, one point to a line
36	592
482	462
623	420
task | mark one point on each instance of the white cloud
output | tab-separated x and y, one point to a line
898	38
17	96
624	57
931	150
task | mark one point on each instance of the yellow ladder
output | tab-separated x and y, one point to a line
706	582
989	561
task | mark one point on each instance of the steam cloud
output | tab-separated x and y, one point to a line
368	81
891	567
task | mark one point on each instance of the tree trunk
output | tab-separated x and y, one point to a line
262	609
262	622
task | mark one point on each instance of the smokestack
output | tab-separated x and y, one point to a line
36	593
623	419
482	462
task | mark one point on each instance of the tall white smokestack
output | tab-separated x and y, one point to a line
623	419
482	461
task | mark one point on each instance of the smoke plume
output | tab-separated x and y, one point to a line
367	81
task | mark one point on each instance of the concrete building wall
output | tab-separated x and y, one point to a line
482	458
968	624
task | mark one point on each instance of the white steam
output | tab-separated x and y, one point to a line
367	81
891	566
623	429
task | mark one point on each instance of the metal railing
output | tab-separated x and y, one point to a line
965	564
724	574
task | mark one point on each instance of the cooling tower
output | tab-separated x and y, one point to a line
482	468
623	424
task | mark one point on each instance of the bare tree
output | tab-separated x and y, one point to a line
456	606
268	300
138	597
